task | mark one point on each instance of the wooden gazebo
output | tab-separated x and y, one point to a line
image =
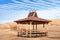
31	30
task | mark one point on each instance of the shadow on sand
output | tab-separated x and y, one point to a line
54	37
32	36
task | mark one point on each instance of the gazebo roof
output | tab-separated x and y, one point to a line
33	17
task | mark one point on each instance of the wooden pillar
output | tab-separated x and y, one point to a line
36	27
46	27
33	27
30	28
21	30
18	30
43	28
43	25
27	29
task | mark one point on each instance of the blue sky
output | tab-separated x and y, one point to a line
11	10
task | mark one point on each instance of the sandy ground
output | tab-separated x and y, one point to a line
12	35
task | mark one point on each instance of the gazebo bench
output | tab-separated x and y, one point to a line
39	33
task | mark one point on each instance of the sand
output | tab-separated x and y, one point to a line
12	35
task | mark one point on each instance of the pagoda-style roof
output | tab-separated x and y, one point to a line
33	17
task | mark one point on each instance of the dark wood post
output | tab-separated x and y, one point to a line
36	27
33	27
18	30
43	25
30	29
27	29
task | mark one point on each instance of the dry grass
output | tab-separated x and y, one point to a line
53	32
12	35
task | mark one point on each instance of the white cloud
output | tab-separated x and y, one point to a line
55	1
26	5
13	10
50	14
11	15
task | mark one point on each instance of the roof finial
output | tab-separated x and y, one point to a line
33	13
34	10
